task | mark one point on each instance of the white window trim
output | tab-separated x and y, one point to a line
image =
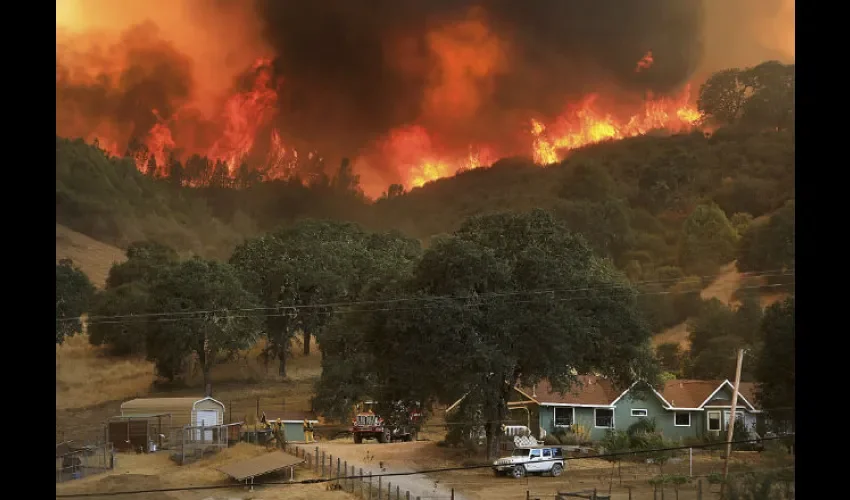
646	412
708	420
675	414
603	426
572	419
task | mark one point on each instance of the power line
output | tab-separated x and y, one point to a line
419	472
290	310
762	274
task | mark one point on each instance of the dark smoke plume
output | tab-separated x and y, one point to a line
120	85
344	86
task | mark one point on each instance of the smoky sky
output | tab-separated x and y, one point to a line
341	91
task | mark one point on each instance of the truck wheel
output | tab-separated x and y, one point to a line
358	439
557	470
518	472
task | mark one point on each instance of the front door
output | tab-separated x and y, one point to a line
206	418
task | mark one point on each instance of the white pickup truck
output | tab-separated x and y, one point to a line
531	460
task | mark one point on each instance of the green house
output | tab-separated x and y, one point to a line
681	409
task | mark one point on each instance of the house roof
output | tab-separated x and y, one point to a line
689	393
590	390
748	391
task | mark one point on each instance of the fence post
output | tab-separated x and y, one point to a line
337	471
380	490
407	496
323	464
389	490
361	482
351	478
594	493
397	492
527	495
345	481
317	459
453	494
699	489
690	462
630	492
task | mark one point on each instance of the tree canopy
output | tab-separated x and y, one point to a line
74	292
776	369
207	316
505	297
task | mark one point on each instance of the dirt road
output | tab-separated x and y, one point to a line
391	458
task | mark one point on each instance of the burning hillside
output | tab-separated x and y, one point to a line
412	91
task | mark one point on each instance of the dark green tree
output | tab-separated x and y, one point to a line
708	241
776	368
669	356
208	315
349	359
474	319
74	292
118	311
769	246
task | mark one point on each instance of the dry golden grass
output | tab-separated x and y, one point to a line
724	286
86	376
157	471
93	257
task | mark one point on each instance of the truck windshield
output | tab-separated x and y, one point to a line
520	452
365	420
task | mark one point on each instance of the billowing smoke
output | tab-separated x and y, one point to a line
355	70
400	85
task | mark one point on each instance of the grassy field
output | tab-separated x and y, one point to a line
158	471
93	257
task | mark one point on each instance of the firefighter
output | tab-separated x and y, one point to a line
308	431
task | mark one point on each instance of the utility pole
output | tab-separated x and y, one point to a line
731	424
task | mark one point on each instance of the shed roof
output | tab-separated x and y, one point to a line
259	465
164	404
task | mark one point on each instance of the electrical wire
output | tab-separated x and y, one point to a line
762	274
288	311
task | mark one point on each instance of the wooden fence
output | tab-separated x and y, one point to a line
355	481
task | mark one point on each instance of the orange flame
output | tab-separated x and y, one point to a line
645	62
588	125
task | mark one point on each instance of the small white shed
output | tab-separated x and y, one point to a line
192	411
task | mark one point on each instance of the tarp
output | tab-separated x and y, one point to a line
260	465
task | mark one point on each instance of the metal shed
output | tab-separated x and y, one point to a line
293	423
192	411
138	431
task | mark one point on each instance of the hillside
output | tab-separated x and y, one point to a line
92	256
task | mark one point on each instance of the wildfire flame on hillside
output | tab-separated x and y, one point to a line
240	128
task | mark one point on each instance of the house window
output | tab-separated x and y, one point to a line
604	417
639	413
714	420
563	416
682	419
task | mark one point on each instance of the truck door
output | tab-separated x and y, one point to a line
546	462
534	459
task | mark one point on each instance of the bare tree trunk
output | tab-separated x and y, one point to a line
307	343
281	369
